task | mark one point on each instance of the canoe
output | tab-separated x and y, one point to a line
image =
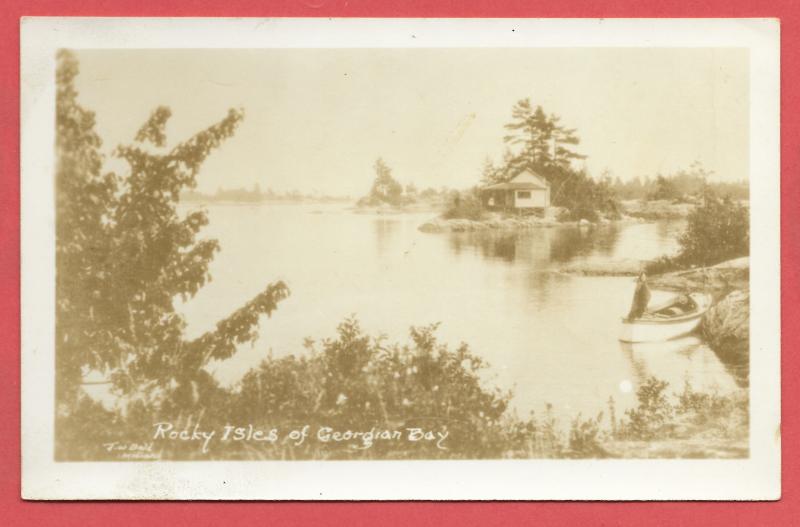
674	319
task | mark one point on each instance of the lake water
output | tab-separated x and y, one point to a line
549	336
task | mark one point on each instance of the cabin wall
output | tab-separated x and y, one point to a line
531	199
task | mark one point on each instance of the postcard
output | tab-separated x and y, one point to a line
400	259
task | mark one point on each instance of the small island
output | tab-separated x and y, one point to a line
541	183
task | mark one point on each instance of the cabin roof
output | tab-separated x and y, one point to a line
534	182
524	185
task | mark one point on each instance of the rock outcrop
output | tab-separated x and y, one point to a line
463	225
624	267
726	326
499	222
717	280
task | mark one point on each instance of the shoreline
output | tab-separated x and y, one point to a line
632	211
441	225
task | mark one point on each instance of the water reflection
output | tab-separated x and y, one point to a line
677	361
531	247
384	230
540	247
572	242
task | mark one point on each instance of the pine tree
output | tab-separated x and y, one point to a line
491	174
542	143
385	188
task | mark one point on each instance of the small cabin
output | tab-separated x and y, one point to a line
526	190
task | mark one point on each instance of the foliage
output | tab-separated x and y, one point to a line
542	141
492	174
465	205
82	191
656	417
665	189
717	230
350	382
123	254
357	382
728	414
586	438
385	189
652	415
585	198
684	185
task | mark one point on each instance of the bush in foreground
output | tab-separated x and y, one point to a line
359	383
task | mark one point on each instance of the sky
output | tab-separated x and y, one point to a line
316	120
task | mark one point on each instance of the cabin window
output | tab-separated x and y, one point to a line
524	194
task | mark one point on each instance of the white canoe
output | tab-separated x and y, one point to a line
654	328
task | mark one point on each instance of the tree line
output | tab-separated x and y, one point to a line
684	185
254	195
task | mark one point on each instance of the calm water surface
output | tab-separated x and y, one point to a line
551	337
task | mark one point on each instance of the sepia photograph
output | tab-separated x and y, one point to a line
391	254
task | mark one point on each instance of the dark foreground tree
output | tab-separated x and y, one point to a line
124	254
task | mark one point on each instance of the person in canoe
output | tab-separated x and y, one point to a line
641	297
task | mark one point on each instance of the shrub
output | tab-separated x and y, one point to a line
651	418
711	410
358	382
716	231
666	189
583	197
465	205
585	438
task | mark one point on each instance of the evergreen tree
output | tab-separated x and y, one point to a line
542	143
491	174
385	189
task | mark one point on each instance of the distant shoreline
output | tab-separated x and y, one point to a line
313	201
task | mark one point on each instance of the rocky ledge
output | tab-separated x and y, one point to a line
464	225
717	280
726	326
502	222
624	267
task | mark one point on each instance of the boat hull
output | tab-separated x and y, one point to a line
657	330
644	331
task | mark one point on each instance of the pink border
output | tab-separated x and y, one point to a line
16	512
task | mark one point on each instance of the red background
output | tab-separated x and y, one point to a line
13	511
